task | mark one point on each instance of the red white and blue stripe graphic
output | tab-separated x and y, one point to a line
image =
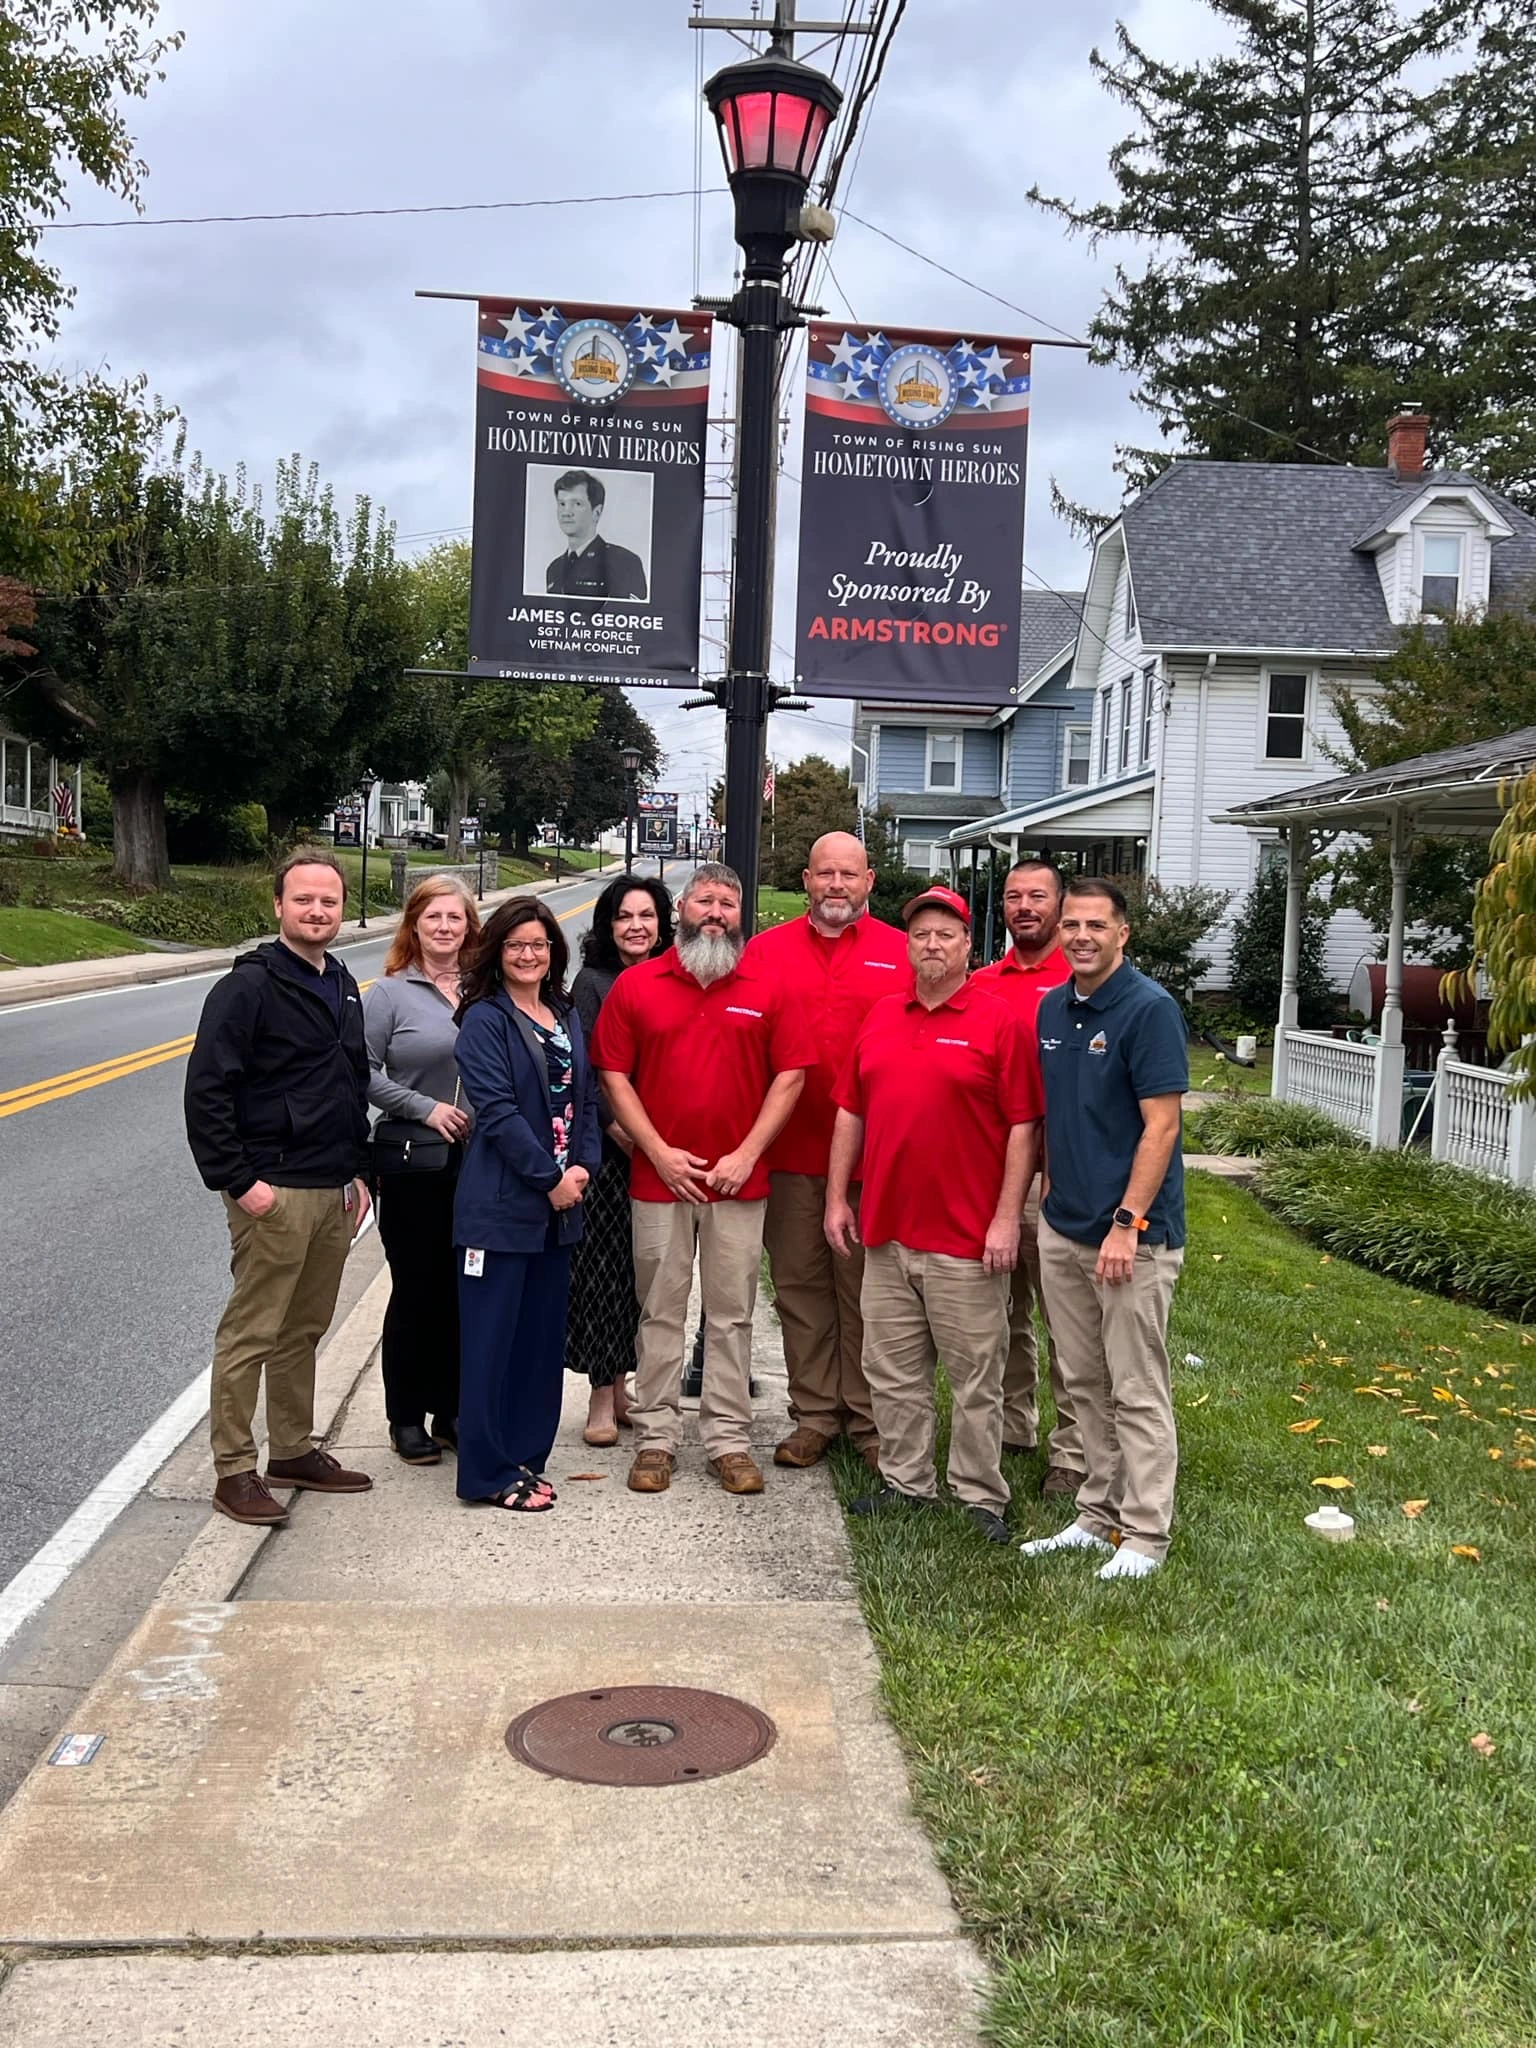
517	342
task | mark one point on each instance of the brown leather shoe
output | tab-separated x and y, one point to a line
870	1453
737	1473
651	1472
802	1448
316	1472
244	1498
1061	1479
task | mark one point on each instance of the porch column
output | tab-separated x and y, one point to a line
1522	1139
973	888
1298	851
986	950
1387	1112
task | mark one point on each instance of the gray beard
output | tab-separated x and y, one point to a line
709	956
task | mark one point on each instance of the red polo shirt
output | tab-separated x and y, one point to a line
939	1091
701	1059
1022	987
833	984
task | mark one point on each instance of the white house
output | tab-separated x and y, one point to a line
1226	605
29	774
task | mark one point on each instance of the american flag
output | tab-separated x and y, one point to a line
768	785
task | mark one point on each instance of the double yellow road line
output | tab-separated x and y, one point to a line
57	1086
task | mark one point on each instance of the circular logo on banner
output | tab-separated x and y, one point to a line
593	361
917	387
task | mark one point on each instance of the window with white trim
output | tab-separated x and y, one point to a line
1440	577
943	761
1148	704
1106	698
1076	756
1272	856
1285	717
1127	720
923	857
1130	604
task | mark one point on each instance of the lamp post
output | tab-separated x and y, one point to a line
772	115
631	759
366	782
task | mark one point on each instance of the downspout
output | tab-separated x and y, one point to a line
1199	817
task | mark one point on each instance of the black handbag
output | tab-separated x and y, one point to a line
403	1144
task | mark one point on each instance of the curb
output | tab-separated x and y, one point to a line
214	1564
116	971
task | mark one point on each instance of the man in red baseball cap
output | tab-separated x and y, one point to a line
940	1101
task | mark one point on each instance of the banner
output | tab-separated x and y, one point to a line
589	493
911	516
347	825
658	821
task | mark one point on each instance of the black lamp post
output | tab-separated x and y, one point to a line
366	782
631	759
773	115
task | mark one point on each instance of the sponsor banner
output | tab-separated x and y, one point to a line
911	515
347	825
658	821
590	425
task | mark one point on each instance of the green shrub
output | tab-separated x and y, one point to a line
10	895
1252	1126
1431	1227
1258	946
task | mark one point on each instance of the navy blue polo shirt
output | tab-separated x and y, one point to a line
1101	1056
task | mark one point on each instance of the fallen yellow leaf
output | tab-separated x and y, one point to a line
1328	1440
1525	1465
1217	1257
1414	1508
1336	1484
1442	1393
1484	1744
1376	1450
1469	1550
1495	1452
1198	1402
1305	1428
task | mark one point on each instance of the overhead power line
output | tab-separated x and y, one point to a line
200	220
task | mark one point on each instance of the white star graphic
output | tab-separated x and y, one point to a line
650	352
985	397
519	366
963	349
845	354
549	317
857	389
665	371
517	327
643	323
673	336
994	362
972	376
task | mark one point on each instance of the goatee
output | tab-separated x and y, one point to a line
709	956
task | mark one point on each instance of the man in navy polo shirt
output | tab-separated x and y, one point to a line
1114	1061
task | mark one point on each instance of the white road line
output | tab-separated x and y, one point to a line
128	988
38	1581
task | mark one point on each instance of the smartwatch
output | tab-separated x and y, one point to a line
1125	1220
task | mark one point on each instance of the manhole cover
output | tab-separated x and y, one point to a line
640	1735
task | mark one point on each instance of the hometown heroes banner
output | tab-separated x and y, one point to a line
589	493
911	515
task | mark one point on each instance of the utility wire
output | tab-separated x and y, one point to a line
199	220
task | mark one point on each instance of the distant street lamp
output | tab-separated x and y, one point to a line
695	838
772	115
367	782
631	759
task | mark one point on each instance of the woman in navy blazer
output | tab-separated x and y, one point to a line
518	1210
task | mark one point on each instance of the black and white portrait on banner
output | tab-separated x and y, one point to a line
587	533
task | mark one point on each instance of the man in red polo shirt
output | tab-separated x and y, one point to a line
1033	964
941	1100
702	1058
834	964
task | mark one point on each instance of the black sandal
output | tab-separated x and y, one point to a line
518	1499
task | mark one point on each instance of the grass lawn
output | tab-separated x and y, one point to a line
1208	1072
778	906
1282	1792
37	938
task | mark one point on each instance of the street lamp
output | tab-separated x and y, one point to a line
772	115
631	759
366	782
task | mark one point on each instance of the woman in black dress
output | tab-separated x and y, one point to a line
631	921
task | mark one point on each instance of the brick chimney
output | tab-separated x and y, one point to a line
1407	432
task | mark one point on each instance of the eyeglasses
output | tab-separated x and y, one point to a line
531	946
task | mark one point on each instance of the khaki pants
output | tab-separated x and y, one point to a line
1112	1344
729	1238
920	1307
817	1297
287	1268
1021	1376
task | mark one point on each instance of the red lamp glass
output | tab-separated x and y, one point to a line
773	115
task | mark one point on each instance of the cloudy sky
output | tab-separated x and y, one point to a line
305	335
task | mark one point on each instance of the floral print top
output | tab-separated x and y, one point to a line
557	1065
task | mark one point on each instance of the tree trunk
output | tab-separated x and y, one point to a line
139	854
279	828
458	805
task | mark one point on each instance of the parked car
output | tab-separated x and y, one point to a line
429	842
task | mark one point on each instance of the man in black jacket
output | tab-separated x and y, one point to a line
277	1119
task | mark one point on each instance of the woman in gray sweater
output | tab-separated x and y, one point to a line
408	1020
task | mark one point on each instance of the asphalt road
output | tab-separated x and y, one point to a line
114	1256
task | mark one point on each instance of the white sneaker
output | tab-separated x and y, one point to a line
1130	1564
1073	1537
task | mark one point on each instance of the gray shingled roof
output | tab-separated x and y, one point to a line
1450	771
1261	554
1048	623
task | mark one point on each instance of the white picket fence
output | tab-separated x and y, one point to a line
1334	1075
1477	1123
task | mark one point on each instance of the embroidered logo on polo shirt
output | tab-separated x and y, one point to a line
1050	1045
953	1041
885	966
1098	1043
740	1010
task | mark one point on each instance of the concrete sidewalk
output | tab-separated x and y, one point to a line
134	970
304	1794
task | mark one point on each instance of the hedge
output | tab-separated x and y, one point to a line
1432	1227
1251	1126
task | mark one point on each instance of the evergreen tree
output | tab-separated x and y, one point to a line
1321	220
1258	954
810	797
